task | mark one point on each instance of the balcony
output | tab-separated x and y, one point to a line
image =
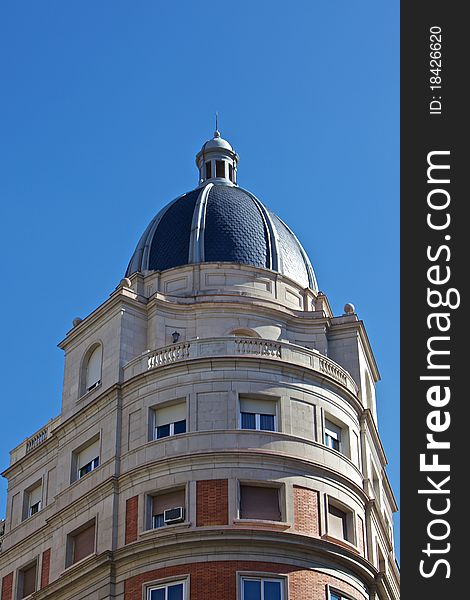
241	347
34	441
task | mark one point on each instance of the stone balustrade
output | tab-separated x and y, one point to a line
236	347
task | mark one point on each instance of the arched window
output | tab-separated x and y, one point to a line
92	374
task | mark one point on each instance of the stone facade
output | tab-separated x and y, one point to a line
150	476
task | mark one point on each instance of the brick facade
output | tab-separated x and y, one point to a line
220	577
7	587
45	567
307	511
132	510
360	536
212	502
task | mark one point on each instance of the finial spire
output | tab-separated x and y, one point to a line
216	132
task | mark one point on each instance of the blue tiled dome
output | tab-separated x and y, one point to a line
221	223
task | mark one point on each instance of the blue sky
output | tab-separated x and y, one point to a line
102	110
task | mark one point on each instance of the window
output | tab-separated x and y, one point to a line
167	508
176	590
81	543
260	502
33	500
257	414
27	580
208	169
262	588
93	369
170	420
230	172
220	168
340	523
86	460
334	595
332	435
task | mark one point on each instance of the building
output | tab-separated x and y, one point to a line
218	433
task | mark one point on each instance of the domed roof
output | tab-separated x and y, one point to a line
220	222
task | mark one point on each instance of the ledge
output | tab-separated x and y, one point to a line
157	531
262	524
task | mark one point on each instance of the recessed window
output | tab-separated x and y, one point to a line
332	435
176	590
260	502
33	500
340	523
208	169
86	460
230	172
262	588
27	579
169	420
81	543
93	368
258	414
220	168
167	508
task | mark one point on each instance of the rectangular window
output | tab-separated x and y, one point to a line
27	580
260	502
219	168
230	172
34	500
88	459
340	523
170	420
176	590
168	508
258	414
332	436
81	544
208	170
262	588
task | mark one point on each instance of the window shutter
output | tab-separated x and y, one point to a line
84	543
29	580
88	454
163	502
170	414
337	523
259	503
35	495
262	407
93	370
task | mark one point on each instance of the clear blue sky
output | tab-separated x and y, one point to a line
103	106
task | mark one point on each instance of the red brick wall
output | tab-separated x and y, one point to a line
7	587
212	502
132	510
218	579
360	536
46	563
306	511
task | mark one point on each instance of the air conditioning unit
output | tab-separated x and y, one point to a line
173	515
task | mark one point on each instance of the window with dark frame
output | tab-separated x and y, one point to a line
208	169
